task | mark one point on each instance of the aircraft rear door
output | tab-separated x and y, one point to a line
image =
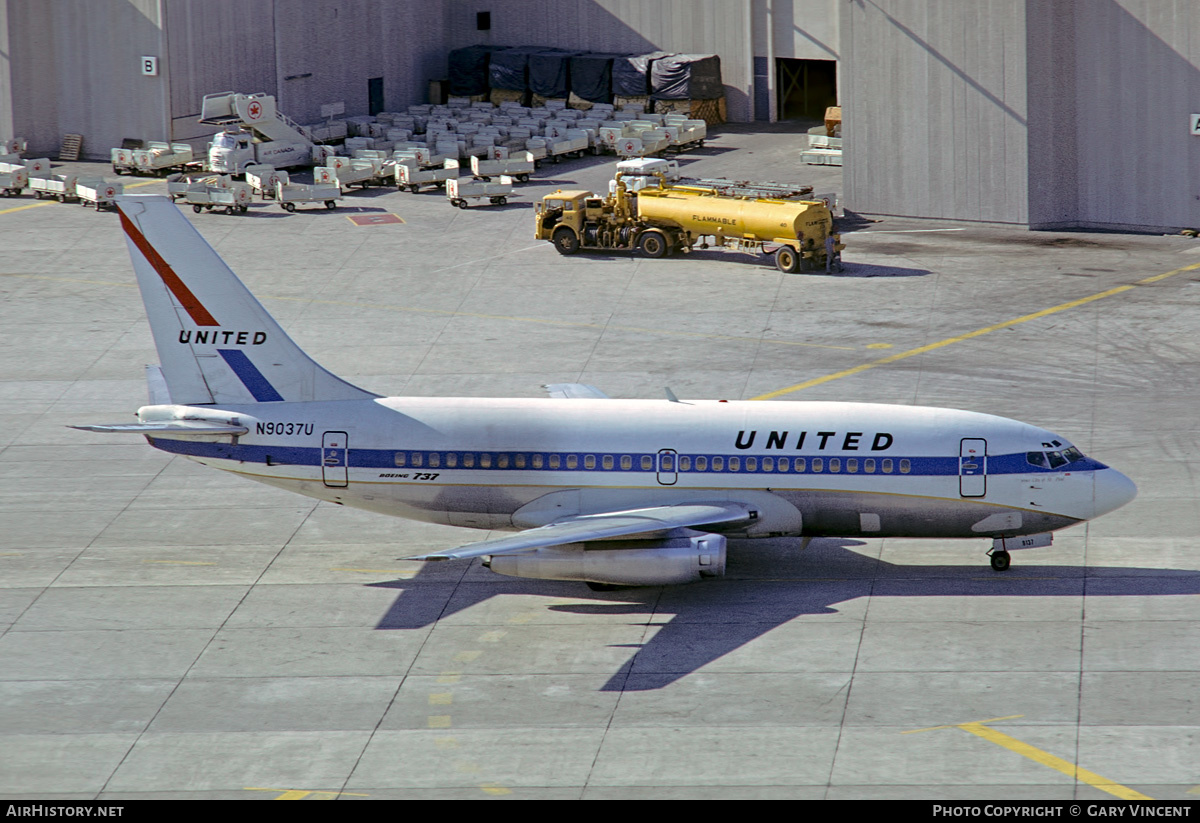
972	467
335	458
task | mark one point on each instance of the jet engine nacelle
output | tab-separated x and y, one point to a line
677	559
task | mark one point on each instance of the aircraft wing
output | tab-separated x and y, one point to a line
586	527
575	390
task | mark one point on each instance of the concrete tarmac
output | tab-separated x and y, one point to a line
174	632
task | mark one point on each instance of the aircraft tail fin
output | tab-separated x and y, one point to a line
216	342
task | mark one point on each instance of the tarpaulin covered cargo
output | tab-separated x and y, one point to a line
686	77
509	69
591	76
549	72
469	70
631	74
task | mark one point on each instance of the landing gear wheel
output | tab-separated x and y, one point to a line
565	240
1001	561
786	260
653	244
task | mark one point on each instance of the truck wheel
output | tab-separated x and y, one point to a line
288	207
565	240
522	178
787	260
197	209
653	244
330	204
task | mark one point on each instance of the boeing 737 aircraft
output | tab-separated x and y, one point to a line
611	492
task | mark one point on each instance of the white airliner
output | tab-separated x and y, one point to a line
611	492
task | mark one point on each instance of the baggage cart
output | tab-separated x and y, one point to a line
179	183
56	186
97	192
414	179
262	180
233	198
463	189
158	159
518	166
287	195
13	182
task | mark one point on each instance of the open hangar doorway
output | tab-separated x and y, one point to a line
804	88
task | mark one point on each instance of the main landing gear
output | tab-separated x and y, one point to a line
1000	560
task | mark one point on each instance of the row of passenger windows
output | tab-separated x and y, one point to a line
646	462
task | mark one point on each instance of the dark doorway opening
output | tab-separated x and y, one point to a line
374	96
805	88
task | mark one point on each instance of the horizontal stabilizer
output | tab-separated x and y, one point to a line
586	527
574	391
175	428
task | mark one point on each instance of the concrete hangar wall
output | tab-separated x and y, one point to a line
1032	112
70	66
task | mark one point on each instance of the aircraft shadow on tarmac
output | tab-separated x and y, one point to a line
765	587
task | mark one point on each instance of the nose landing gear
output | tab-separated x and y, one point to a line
1000	560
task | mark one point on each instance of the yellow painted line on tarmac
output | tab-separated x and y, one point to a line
301	794
949	341
980	729
28	206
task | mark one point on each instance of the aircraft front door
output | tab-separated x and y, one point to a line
668	467
972	467
335	460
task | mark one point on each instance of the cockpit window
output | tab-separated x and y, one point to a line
1053	460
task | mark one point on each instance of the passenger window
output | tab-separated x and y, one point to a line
835	464
685	464
801	464
852	465
502	461
626	462
538	461
783	464
401	458
701	464
589	462
887	465
735	464
485	461
869	465
647	463
418	459
519	461
718	464
751	464
435	460
555	461
818	464
572	461
451	460
768	464
468	461
905	466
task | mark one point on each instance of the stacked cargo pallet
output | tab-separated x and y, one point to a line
662	82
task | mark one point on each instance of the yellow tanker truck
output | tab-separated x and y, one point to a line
661	221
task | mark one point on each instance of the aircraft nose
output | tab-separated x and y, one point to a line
1113	490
